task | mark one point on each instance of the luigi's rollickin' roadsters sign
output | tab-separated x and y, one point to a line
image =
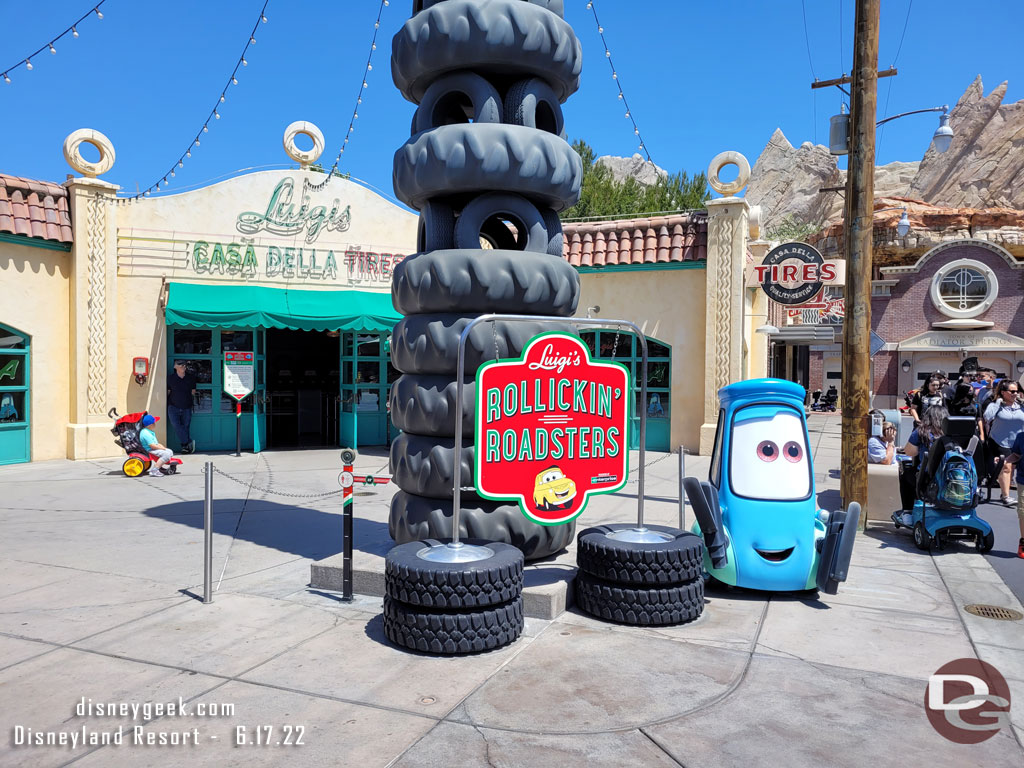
551	428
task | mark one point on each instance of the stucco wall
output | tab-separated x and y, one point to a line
668	305
34	300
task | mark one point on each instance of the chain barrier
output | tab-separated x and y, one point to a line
652	463
271	491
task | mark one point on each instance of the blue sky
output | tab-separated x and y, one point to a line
700	78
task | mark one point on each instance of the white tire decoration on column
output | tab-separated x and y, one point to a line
490	37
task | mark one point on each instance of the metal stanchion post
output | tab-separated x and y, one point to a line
208	536
238	428
348	458
682	494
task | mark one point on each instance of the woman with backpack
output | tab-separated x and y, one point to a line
917	447
1004	420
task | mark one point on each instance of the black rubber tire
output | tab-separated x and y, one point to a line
556	239
555	6
678	561
922	540
475	158
415	518
425	405
473	280
436	227
528	100
482	219
425	466
452	633
429	344
653	606
412	580
986	543
440	104
497	38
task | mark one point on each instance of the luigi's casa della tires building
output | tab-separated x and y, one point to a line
103	294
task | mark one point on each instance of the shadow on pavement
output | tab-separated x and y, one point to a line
309	533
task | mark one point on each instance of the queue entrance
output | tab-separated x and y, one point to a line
303	387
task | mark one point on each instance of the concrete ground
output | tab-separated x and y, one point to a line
98	605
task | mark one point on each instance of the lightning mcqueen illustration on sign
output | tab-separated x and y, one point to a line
757	512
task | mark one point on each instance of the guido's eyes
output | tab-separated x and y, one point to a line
792	451
767	450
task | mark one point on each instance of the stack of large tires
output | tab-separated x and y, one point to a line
640	583
451	608
487	164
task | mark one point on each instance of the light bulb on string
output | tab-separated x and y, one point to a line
369	67
99	14
373	47
627	114
180	164
216	115
600	30
615	75
263	19
376	25
607	54
6	78
28	63
620	94
74	32
222	98
252	41
197	141
188	153
365	85
206	129
53	50
234	80
359	100
245	63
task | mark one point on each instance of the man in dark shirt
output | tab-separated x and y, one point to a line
181	389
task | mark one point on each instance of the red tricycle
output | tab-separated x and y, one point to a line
126	434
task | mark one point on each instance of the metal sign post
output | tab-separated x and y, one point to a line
239	382
347	479
457	551
208	536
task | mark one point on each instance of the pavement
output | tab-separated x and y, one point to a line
99	605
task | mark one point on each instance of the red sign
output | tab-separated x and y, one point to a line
551	428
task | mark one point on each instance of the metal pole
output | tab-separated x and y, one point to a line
858	242
238	428
682	493
643	434
347	503
208	536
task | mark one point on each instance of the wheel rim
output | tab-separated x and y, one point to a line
133	467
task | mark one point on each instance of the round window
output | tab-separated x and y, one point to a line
964	288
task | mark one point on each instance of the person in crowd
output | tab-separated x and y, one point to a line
930	395
986	390
921	439
1016	451
148	439
181	392
1004	420
881	450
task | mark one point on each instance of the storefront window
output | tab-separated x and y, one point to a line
12	407
192	342
236	341
15	437
201	369
12	369
369	371
204	402
369	346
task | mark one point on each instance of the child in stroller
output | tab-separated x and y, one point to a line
126	434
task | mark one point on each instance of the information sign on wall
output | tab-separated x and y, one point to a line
551	428
239	374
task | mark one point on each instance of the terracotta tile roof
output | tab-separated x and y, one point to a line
658	240
34	209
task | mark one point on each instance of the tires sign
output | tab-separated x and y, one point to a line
794	273
239	374
551	428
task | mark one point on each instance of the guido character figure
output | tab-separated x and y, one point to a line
758	513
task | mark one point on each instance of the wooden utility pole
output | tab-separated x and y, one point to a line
860	192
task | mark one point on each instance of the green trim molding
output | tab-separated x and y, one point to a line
664	266
34	242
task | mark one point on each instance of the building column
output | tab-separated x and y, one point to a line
723	320
92	368
757	343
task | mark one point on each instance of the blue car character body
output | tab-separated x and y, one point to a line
761	494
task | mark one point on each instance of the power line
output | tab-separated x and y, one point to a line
888	90
618	84
73	30
214	113
810	63
359	100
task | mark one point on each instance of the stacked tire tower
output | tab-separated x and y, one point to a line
489	168
650	576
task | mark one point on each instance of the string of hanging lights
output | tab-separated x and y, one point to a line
215	112
72	30
359	100
618	83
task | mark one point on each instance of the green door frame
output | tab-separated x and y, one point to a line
15	380
366	378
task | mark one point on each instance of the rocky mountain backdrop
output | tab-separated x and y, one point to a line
982	169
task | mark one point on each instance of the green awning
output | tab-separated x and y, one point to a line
250	306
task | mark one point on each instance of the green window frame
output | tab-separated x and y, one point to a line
15	395
623	347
